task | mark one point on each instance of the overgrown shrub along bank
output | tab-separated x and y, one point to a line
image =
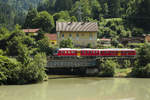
14	72
22	58
142	67
107	68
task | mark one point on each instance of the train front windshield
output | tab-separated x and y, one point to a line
55	52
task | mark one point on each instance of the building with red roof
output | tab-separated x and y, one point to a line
33	31
52	38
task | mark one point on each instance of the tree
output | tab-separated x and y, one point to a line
62	15
144	55
81	9
32	13
20	45
4	35
114	8
26	64
34	70
9	70
96	9
44	21
66	43
63	5
73	19
44	46
107	68
105	10
140	15
142	67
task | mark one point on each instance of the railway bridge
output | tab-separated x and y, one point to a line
90	64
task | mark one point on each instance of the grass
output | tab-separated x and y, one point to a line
122	72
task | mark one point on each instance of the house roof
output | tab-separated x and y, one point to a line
76	26
30	30
51	36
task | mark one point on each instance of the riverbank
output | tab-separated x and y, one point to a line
123	72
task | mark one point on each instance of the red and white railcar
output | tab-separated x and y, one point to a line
67	52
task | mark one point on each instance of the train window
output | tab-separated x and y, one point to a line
96	52
62	51
87	52
84	52
68	51
65	51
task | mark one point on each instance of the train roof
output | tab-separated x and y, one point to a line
116	49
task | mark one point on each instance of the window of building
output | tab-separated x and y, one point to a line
62	35
91	36
53	42
70	35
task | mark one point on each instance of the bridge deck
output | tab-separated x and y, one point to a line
79	63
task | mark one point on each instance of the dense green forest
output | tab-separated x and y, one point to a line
134	14
14	11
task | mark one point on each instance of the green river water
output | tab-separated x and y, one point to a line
80	89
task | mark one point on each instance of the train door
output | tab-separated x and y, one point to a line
119	53
78	53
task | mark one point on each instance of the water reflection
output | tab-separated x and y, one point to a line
80	89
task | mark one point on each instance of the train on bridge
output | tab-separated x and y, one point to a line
68	52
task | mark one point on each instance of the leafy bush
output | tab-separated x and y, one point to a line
66	43
43	45
1	52
142	71
89	45
9	70
142	68
135	45
107	68
26	64
34	71
13	72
